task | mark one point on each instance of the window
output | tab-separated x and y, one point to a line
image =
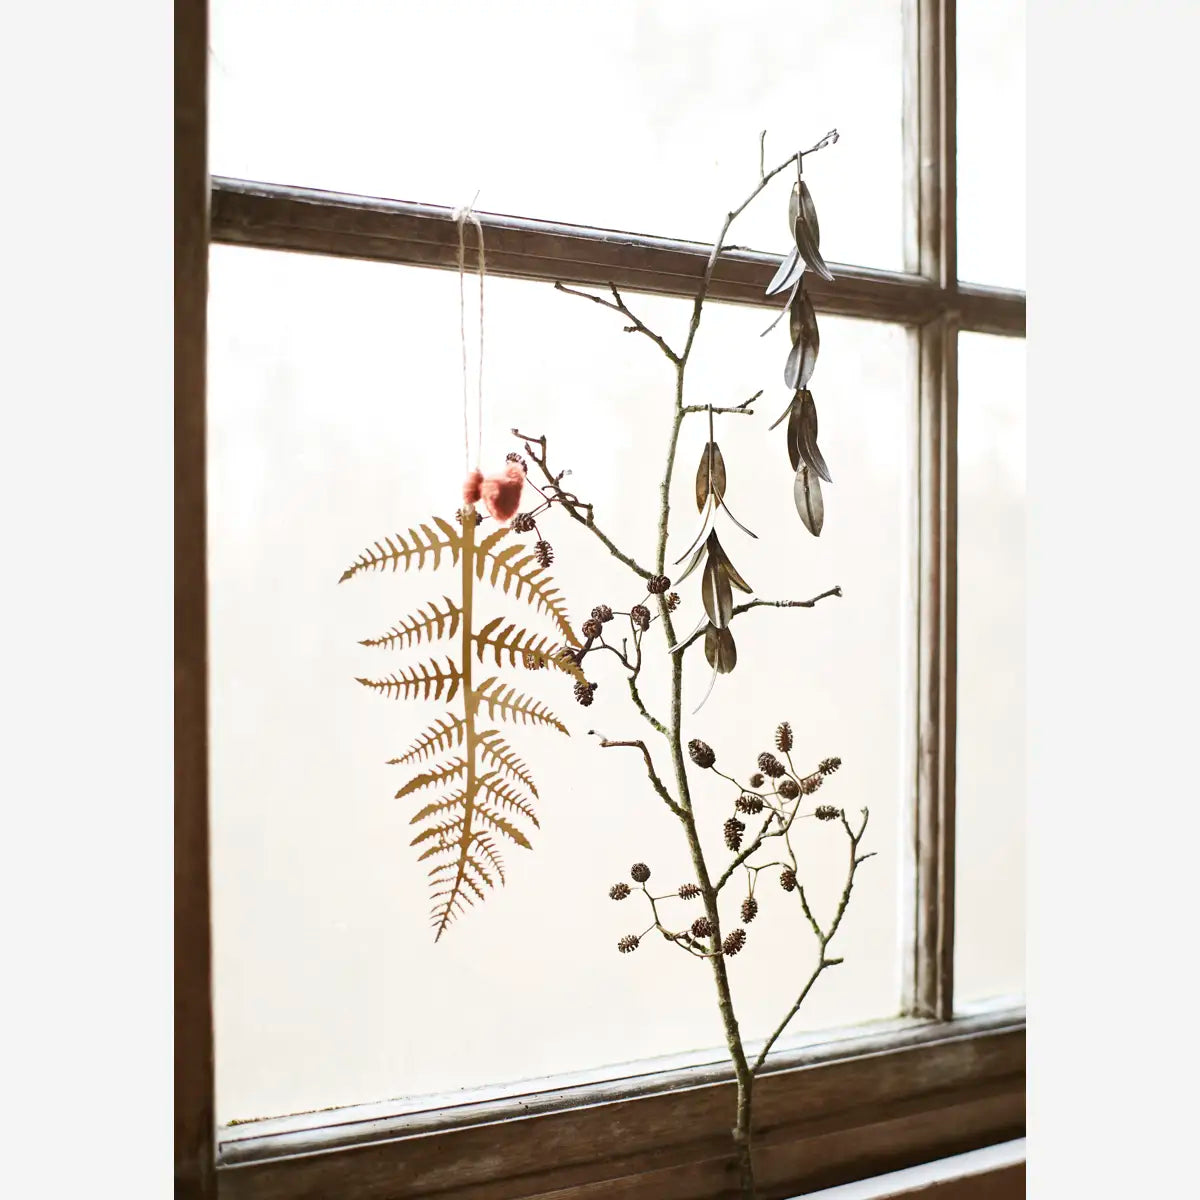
319	327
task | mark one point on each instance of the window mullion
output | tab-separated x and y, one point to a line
929	844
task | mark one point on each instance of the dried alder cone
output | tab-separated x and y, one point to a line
782	805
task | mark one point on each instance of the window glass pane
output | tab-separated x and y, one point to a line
989	954
991	142
631	115
336	418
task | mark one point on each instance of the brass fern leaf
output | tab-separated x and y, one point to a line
510	705
495	749
434	778
508	796
525	575
522	647
445	732
487	791
428	679
400	552
430	626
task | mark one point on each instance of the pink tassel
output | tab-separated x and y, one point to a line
472	486
501	493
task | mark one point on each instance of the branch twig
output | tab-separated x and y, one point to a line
741	608
744	407
650	771
823	962
617	304
572	504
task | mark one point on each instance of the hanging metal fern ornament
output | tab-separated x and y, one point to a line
487	793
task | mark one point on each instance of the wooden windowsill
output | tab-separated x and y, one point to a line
992	1173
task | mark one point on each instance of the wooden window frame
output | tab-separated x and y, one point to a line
873	1099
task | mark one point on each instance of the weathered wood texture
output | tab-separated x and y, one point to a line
992	1173
194	1125
929	943
273	216
818	1123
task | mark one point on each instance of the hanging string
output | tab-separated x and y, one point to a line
461	217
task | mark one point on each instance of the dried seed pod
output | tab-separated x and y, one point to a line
733	833
639	614
672	601
787	879
783	737
657	584
789	789
734	942
749	804
689	891
523	523
514	457
602	613
543	552
756	780
591	628
829	765
810	783
826	812
619	891
470	515
701	753
770	765
749	909
639	872
628	943
809	502
702	927
585	693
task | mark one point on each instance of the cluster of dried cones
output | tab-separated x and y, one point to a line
775	789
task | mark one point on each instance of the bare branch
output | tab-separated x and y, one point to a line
823	938
650	771
572	504
744	407
617	304
741	608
